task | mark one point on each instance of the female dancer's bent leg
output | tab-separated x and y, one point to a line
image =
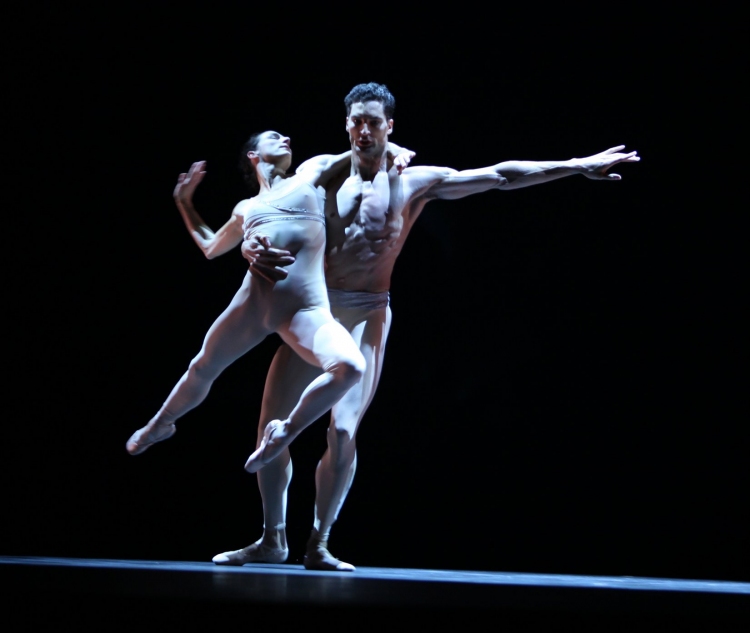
322	341
235	332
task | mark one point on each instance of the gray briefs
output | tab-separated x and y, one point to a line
358	299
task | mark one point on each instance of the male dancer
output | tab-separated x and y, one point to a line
369	213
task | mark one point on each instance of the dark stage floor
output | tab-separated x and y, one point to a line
123	594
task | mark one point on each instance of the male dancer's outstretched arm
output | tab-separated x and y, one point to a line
449	184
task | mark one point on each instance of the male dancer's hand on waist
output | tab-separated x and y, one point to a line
264	260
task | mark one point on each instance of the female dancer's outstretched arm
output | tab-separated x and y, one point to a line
212	244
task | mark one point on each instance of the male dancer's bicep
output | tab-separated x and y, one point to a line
416	182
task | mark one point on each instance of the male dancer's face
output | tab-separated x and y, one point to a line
368	128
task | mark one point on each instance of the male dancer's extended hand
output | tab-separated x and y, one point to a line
596	166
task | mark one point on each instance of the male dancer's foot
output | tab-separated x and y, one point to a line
318	557
258	552
276	438
270	548
148	435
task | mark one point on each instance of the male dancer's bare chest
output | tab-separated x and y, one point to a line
366	225
360	212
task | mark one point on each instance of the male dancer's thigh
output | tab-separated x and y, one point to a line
370	332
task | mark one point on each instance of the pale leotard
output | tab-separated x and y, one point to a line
296	308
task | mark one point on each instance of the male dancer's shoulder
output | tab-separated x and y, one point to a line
417	181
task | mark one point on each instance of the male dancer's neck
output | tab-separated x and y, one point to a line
367	167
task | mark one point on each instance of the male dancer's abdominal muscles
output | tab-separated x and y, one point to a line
359	270
365	240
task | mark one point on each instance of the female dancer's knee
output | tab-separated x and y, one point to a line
348	370
201	370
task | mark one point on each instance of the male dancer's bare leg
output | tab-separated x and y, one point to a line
272	546
336	469
287	378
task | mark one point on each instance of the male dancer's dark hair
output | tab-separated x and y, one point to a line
371	92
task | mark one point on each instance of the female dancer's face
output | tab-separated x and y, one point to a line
274	148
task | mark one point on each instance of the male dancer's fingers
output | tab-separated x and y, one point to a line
265	261
269	273
605	176
271	269
256	271
276	256
278	273
612	150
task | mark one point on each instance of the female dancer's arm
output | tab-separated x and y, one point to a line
212	244
398	156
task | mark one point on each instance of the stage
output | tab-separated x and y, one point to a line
124	594
559	435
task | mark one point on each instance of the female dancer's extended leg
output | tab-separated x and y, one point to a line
235	332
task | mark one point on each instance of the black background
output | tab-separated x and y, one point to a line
563	388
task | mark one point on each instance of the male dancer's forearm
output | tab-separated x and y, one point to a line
522	173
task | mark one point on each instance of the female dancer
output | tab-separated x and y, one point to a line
289	210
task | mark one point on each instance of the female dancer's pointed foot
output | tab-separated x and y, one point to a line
275	440
148	435
255	553
320	559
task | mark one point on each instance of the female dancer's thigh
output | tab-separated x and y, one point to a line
235	332
320	340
